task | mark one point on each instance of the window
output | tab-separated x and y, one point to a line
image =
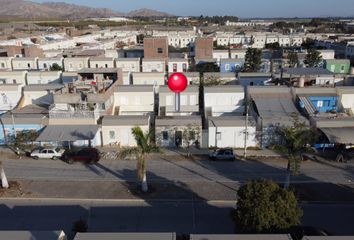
51	151
112	134
175	67
320	104
165	135
342	67
45	65
2	65
159	50
218	136
28	65
184	67
227	67
106	65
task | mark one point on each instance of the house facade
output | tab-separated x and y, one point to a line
231	65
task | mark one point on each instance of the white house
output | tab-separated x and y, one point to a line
97	62
128	64
346	99
13	77
229	131
169	131
134	100
220	54
117	130
75	64
154	65
40	77
178	65
189	102
327	54
47	63
349	51
224	100
10	96
40	94
238	53
25	63
5	63
149	78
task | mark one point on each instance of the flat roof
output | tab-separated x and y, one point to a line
229	121
344	135
307	71
127	59
135	88
125	236
30	235
68	133
43	87
189	89
125	120
224	89
178	121
98	70
241	237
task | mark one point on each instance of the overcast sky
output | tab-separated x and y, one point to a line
241	8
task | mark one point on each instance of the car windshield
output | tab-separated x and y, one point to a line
57	149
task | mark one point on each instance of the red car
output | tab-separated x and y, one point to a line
86	155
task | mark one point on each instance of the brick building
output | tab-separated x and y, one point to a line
204	47
156	48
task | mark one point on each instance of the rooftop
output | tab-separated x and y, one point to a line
42	87
178	121
224	89
125	236
229	121
125	120
306	71
134	88
98	70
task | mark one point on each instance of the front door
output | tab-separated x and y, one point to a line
178	138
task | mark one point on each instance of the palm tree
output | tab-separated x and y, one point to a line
144	147
294	141
4	182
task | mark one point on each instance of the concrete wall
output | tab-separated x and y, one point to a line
43	77
128	66
224	103
170	141
178	65
232	137
75	64
120	135
24	63
153	66
45	64
109	63
134	103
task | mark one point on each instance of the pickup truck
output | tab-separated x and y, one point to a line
52	153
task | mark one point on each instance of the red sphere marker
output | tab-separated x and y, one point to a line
177	82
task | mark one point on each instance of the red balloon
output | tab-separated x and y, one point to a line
177	82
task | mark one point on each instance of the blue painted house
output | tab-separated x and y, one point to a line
31	117
231	65
318	103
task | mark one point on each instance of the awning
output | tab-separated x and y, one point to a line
339	135
61	133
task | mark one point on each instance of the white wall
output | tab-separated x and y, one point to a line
347	101
224	102
232	137
121	135
45	64
153	66
179	66
128	66
24	64
38	97
134	103
109	63
75	64
148	79
5	63
43	77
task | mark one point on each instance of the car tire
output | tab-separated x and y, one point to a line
70	161
54	158
35	157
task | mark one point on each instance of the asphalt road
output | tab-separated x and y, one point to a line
139	216
160	170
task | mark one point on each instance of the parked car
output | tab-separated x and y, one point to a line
53	153
86	155
338	153
222	154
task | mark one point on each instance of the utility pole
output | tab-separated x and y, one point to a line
246	134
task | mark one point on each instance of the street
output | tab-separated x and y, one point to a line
152	216
182	170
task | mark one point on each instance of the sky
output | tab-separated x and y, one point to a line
240	8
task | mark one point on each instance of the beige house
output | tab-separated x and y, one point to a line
154	65
117	130
5	63
128	64
24	63
189	102
178	65
75	64
40	94
97	62
152	78
13	77
134	100
40	77
170	131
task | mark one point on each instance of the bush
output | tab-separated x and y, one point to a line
264	207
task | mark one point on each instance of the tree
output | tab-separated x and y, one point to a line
253	60
264	207
140	38
293	141
190	135
207	67
313	58
25	136
293	59
272	46
55	67
144	147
